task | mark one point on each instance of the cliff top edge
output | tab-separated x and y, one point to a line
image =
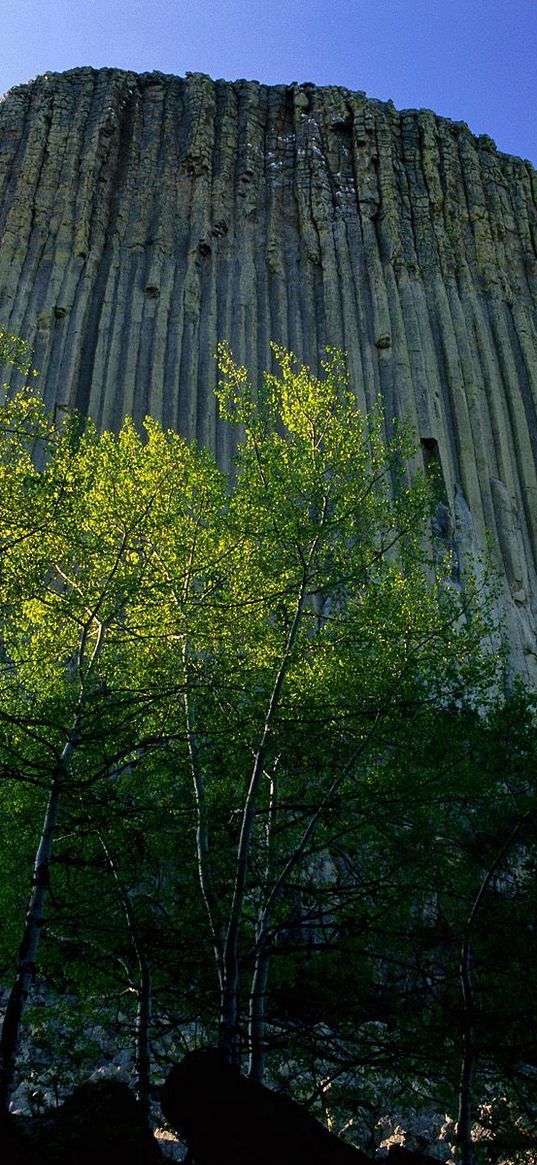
155	77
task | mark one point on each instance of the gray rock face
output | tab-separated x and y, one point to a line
143	218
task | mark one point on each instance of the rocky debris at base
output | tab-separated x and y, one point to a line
170	1147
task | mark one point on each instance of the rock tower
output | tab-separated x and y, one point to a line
145	217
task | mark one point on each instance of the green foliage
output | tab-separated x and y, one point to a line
288	742
16	351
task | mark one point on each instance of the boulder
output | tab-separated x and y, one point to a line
229	1120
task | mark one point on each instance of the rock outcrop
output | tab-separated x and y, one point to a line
142	218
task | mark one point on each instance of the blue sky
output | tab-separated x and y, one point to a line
472	60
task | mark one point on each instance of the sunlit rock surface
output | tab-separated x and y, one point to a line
144	217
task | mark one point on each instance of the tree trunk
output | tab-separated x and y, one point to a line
35	917
228	1040
256	1019
29	946
142	1025
464	1117
229	1017
143	1029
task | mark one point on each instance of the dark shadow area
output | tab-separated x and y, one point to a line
98	1124
229	1120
